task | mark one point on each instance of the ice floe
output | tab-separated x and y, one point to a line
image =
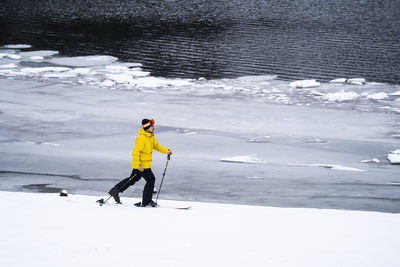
339	80
305	84
13	56
378	96
39	53
161	82
37	58
44	69
17	46
243	159
395	93
357	81
8	66
107	83
394	157
328	166
42	143
341	96
83	61
374	160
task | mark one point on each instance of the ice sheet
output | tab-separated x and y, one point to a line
70	121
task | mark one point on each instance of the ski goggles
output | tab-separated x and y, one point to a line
150	123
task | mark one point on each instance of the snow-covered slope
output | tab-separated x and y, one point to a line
48	230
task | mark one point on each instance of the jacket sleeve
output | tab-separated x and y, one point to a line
136	152
160	148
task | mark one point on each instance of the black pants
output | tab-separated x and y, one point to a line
136	175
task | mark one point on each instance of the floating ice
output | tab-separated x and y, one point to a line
339	80
341	96
122	78
357	81
243	159
84	61
394	157
17	46
39	53
329	166
305	84
13	56
42	143
8	66
107	83
374	160
256	78
83	71
62	75
44	69
37	58
378	96
395	93
161	82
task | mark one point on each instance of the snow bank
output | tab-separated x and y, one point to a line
49	230
394	156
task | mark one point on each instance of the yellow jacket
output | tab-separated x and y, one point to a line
143	150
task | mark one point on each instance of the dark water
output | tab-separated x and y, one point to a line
219	38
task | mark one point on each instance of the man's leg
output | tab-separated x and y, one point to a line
124	184
148	187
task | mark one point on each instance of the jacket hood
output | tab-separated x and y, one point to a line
143	132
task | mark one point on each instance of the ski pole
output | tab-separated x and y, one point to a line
101	201
162	180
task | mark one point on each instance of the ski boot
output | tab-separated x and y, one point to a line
151	204
114	192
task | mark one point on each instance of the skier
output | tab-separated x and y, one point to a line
141	165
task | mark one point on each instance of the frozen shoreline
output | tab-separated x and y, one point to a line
71	121
47	230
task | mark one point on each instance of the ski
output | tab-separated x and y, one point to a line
139	205
101	202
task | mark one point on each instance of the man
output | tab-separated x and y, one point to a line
141	164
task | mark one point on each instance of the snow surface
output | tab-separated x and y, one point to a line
48	230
